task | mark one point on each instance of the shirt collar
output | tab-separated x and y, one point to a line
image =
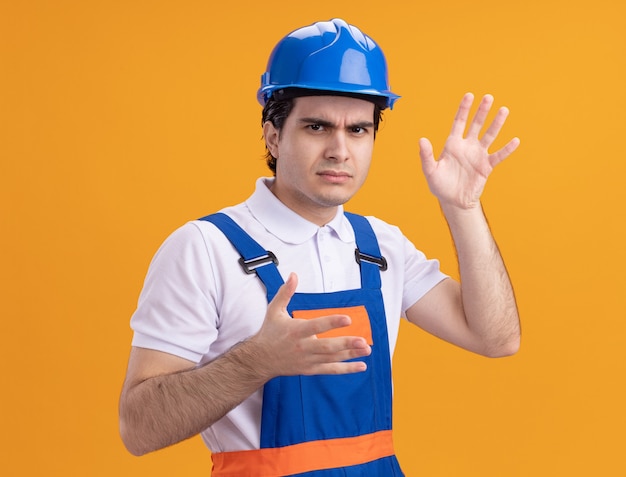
287	225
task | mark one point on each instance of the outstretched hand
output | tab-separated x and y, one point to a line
459	176
290	346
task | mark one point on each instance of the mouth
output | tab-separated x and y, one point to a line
335	177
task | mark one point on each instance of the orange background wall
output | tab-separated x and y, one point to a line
121	120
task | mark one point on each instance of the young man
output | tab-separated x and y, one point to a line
269	327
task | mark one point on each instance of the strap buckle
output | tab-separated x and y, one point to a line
250	266
381	261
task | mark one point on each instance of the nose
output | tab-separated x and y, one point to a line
337	147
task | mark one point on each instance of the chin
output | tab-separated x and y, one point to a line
333	200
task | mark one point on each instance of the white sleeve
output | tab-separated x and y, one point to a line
411	274
176	311
421	275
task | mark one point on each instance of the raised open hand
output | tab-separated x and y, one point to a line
459	176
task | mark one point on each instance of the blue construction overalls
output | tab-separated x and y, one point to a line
323	425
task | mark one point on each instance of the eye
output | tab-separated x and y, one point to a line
359	130
316	127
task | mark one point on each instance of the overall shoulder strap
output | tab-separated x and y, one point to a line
367	251
254	258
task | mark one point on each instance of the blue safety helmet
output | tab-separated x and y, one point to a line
328	56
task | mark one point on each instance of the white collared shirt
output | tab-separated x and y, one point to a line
197	303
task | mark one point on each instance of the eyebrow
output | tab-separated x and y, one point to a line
326	123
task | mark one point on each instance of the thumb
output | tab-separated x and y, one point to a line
426	155
285	292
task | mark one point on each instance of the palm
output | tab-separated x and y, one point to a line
458	177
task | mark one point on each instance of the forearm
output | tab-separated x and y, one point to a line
166	409
486	291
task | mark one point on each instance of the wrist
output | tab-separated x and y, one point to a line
452	210
251	360
261	357
468	225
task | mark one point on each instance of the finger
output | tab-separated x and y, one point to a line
327	354
316	326
285	292
460	120
338	368
339	348
479	118
426	155
500	155
495	127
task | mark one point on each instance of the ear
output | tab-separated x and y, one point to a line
271	136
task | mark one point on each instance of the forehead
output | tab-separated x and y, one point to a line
333	108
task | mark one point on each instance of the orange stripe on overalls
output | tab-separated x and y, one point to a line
298	458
